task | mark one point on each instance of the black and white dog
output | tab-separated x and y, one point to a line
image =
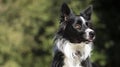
74	39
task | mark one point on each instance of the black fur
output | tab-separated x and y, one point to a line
58	59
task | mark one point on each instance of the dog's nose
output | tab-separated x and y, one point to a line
92	34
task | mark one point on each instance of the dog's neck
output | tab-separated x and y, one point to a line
74	53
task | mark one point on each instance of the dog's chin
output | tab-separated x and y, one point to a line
90	40
86	41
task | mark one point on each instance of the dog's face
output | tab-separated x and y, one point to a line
77	28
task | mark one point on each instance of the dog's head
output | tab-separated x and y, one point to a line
76	28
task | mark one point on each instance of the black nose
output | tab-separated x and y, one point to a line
92	34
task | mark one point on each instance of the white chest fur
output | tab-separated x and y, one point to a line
74	53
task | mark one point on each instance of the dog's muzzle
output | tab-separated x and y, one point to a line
89	35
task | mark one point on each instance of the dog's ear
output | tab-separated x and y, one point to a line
87	13
65	12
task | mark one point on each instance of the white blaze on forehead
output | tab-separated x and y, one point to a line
83	20
88	30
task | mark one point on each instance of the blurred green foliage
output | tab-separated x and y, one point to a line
27	28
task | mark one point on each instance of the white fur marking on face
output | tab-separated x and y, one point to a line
83	20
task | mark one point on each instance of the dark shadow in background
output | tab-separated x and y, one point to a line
108	12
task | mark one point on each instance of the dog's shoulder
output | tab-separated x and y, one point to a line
58	60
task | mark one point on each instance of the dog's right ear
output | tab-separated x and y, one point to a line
87	13
65	12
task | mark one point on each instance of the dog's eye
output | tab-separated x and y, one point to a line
77	26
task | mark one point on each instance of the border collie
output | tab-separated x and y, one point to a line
74	39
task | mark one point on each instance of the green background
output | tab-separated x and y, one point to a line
27	28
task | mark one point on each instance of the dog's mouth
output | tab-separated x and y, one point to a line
88	41
82	39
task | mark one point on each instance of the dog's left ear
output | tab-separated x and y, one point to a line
66	12
87	13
